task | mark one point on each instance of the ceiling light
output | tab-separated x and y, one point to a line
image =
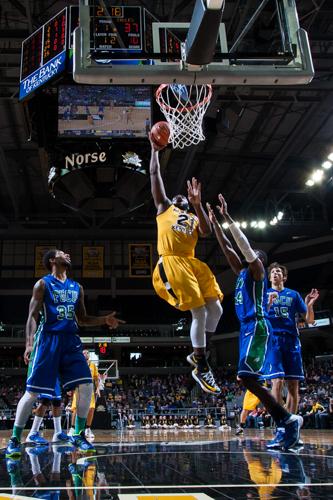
330	157
237	224
326	165
254	223
261	224
225	225
317	175
244	225
309	182
279	215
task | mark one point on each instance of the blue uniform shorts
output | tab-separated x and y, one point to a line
253	341
57	355
284	358
57	393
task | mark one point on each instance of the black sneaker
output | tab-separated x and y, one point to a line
191	358
206	381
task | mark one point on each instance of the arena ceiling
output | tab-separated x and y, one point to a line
262	142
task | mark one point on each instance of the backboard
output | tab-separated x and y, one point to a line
128	45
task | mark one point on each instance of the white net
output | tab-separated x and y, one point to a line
184	107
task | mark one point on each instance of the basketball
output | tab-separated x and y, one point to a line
160	133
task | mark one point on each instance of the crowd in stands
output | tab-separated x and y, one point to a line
155	395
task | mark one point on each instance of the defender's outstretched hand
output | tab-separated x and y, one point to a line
112	321
211	214
194	192
223	208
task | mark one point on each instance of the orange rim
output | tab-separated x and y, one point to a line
186	108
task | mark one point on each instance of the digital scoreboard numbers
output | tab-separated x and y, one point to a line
54	39
115	28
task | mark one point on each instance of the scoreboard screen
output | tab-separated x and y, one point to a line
32	53
43	54
117	28
54	38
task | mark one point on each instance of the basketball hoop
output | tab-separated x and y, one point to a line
184	107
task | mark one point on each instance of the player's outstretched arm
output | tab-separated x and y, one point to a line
310	299
255	265
35	306
233	259
194	197
84	319
161	200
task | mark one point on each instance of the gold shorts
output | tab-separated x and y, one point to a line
92	401
250	401
185	282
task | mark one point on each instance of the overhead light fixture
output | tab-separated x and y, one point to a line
225	225
309	183
261	224
327	164
317	175
330	157
280	215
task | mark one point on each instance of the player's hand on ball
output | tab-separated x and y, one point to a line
26	356
154	146
112	321
194	192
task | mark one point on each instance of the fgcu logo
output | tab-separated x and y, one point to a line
79	160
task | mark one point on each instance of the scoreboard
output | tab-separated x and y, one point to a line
44	54
115	28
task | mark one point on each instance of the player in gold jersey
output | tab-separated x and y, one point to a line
179	278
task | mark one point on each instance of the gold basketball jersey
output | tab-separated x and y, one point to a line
177	232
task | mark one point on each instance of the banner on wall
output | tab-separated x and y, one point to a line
140	260
93	262
39	266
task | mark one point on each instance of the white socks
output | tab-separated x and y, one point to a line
57	424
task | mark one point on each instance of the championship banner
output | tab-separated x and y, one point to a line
39	266
140	260
93	262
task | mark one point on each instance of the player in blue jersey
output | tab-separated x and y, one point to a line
284	357
58	351
251	304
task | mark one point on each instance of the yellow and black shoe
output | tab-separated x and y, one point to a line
206	381
193	360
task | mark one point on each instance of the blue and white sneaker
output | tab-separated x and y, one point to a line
36	438
13	448
61	437
80	441
277	442
292	431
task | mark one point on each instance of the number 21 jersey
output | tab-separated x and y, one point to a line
177	232
60	303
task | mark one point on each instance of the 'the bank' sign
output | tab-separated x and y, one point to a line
42	75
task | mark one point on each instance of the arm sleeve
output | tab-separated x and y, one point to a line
243	243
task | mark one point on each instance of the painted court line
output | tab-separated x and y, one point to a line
170	487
